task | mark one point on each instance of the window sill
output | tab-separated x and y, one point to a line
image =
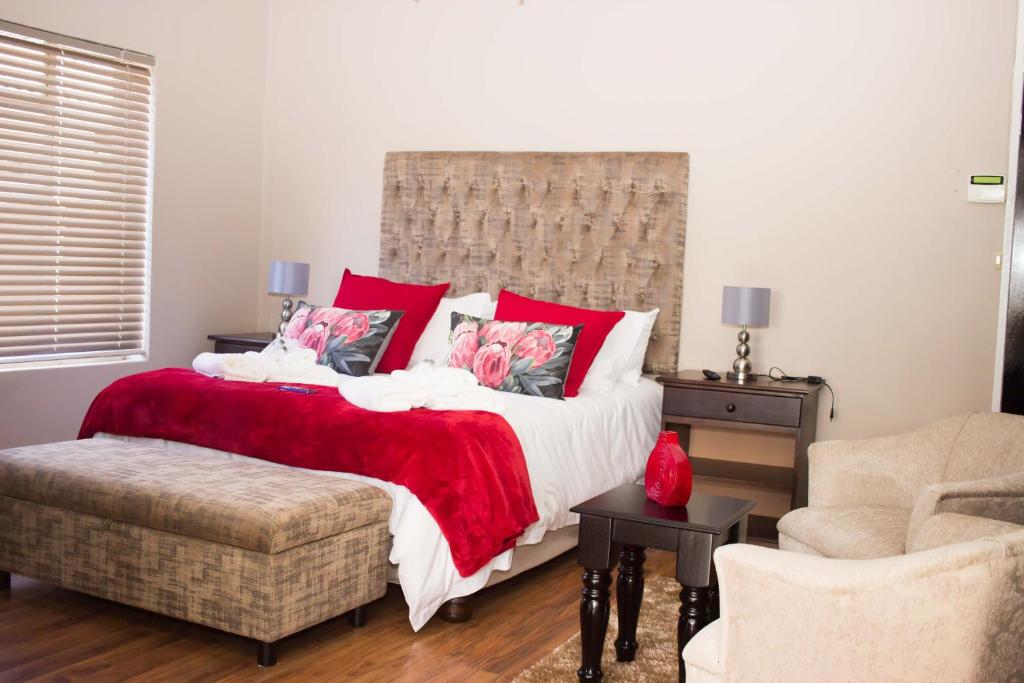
73	362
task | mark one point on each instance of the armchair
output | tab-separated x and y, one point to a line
949	613
869	498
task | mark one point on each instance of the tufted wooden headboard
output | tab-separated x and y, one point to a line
600	230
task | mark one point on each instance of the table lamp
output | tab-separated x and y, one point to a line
287	278
746	306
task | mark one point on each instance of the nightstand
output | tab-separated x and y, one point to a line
762	405
617	526
240	343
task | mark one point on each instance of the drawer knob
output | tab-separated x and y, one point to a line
731	407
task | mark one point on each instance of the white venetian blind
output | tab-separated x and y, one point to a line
74	202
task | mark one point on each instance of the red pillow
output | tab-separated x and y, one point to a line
596	326
364	293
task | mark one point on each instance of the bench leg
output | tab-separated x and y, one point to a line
265	655
357	617
5	581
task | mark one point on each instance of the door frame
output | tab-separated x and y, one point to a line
1013	158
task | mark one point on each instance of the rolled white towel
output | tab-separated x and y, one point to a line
210	364
381	393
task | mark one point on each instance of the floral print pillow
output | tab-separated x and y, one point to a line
350	342
522	358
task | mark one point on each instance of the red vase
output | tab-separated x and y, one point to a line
669	475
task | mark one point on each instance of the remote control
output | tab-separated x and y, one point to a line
297	390
712	375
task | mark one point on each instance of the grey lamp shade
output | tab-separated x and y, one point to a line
287	278
746	306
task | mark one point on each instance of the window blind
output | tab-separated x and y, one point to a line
75	156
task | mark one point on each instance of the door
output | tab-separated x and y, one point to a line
1013	354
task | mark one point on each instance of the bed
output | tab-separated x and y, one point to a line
597	230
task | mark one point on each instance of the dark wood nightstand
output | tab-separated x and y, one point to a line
762	405
240	343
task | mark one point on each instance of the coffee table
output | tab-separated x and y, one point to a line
619	525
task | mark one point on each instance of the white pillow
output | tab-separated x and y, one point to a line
634	365
616	358
433	343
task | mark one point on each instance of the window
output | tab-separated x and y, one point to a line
75	181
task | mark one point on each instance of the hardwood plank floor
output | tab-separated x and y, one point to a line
51	634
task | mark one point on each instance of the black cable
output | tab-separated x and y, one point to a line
784	377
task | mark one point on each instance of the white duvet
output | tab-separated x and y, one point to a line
574	449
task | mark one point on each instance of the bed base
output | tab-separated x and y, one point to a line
525	558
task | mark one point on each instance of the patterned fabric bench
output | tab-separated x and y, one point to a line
252	548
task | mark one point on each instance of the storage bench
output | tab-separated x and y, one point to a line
252	548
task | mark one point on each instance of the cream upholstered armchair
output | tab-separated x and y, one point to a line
947	613
870	498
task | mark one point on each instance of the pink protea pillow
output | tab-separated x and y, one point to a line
350	342
596	326
417	301
518	357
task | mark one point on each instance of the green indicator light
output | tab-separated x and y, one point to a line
986	180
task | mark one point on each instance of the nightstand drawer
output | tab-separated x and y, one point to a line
240	343
733	406
228	347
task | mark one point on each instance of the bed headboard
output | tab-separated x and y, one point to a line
599	230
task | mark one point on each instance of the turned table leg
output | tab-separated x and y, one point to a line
694	614
630	595
594	609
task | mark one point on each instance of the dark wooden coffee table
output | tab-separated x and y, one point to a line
620	524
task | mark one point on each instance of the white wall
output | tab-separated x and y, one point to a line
829	142
209	95
830	147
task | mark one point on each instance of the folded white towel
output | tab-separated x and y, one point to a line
486	400
425	386
439	379
312	374
382	394
244	367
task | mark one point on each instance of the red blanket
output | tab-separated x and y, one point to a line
466	467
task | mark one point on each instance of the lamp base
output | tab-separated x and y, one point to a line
742	376
286	315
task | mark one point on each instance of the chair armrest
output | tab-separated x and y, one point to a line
788	616
947	528
885	471
999	498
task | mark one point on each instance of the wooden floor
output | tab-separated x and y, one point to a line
51	634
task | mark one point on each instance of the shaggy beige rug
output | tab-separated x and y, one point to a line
656	634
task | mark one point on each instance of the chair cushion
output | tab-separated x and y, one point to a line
947	528
250	504
852	533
